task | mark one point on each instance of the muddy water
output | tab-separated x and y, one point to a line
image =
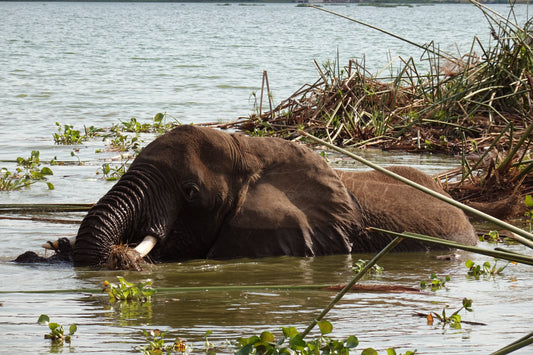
98	63
380	320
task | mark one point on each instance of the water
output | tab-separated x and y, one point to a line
99	63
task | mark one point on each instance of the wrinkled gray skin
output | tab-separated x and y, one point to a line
204	193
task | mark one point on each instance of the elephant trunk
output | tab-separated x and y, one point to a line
123	216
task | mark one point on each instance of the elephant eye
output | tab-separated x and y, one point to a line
190	190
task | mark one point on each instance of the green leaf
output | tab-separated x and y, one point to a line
369	351
46	171
159	117
254	339
391	351
72	329
124	282
297	343
43	319
248	349
351	342
469	263
267	337
289	332
325	327
467	304
529	201
50	186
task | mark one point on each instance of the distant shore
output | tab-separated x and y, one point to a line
367	2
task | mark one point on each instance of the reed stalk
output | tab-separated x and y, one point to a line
45	207
517	344
506	255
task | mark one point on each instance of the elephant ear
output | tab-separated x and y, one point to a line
292	204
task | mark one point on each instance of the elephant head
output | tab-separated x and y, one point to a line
202	193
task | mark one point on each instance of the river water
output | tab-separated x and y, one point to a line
98	63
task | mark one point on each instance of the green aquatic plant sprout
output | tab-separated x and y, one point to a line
293	343
486	269
57	332
11	181
156	344
491	237
28	171
435	282
373	271
114	172
67	135
454	320
127	291
158	124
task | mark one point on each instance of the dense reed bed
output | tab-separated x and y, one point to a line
477	106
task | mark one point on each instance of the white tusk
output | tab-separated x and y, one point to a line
146	245
55	244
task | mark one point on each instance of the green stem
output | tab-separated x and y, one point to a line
521	235
346	288
511	256
517	344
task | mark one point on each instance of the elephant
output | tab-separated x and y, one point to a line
198	192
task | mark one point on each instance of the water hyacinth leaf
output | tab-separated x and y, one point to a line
289	332
50	185
297	343
391	351
325	327
53	326
158	117
46	171
43	319
467	304
251	340
124	282
73	328
351	342
247	349
369	351
267	337
529	201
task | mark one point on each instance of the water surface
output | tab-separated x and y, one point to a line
99	63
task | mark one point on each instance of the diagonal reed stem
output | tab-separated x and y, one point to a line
500	254
45	207
517	344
